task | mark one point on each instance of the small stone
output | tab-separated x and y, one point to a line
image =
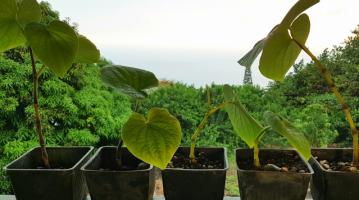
301	171
272	167
353	169
293	169
210	167
341	164
284	169
142	165
322	162
326	166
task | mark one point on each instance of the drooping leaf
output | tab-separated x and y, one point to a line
300	28
87	51
13	15
294	136
54	45
29	11
243	123
155	139
128	80
248	59
280	51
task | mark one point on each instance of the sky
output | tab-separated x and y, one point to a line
198	41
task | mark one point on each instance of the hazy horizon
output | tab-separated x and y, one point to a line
198	42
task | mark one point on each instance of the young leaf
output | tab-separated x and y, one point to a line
13	16
280	51
155	139
54	45
294	136
29	11
128	80
87	51
243	123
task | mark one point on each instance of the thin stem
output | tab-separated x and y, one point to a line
201	127
328	78
256	160
119	154
44	155
38	74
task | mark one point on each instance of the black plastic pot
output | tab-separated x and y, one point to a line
117	185
271	185
333	185
196	184
31	183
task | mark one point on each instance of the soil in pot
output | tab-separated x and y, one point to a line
284	161
203	180
134	180
333	179
284	175
203	161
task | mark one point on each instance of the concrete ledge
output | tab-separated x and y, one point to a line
10	197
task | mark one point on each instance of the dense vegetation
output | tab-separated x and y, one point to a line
80	110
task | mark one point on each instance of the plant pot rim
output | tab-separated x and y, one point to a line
311	171
83	168
225	168
90	148
315	161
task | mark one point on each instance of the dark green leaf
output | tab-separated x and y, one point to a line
294	136
13	16
128	80
155	139
54	45
87	51
243	123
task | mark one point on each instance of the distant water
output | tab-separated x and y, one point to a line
193	67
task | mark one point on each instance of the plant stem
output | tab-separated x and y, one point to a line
328	78
256	161
201	127
44	155
119	154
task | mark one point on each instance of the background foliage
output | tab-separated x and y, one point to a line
79	110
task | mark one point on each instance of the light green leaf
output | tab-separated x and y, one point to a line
13	15
300	28
155	139
243	123
87	51
128	80
294	136
29	11
54	45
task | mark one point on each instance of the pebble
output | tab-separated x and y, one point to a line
272	167
341	164
353	169
301	171
293	169
326	166
284	169
322	162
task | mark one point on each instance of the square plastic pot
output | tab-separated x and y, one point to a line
117	185
196	184
333	185
31	183
271	185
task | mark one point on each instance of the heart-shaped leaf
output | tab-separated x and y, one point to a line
13	15
243	123
280	51
128	80
87	51
54	45
294	136
155	139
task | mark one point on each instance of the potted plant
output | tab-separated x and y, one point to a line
197	173
269	174
123	173
336	172
45	173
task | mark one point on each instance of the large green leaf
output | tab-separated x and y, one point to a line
280	51
13	15
128	80
87	51
54	45
294	136
243	123
155	139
